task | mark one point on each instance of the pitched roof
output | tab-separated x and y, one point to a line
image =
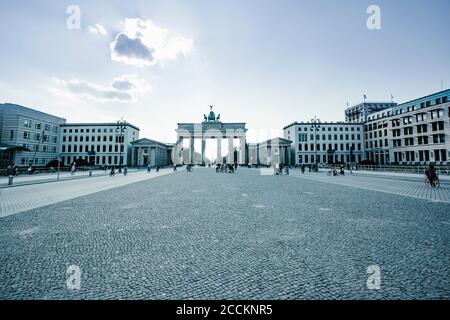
146	141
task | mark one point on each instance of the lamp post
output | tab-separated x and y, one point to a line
315	124
121	126
59	164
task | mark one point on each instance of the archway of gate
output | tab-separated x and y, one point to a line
211	141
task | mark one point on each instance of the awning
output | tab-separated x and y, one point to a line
9	147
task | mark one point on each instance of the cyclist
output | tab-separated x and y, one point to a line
431	175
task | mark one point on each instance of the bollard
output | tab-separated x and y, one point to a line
10	180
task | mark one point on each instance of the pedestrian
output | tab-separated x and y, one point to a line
157	168
149	168
72	170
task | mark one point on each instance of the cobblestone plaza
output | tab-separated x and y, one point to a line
203	235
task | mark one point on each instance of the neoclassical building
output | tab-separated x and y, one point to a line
150	152
270	152
211	128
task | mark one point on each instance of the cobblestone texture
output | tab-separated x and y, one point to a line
26	197
407	186
204	235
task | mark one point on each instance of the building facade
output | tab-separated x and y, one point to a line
147	152
360	112
420	130
33	136
334	142
377	137
272	152
98	144
412	133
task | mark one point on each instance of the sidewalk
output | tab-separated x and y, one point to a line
26	197
401	184
412	176
25	179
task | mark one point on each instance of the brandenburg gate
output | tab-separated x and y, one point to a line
211	128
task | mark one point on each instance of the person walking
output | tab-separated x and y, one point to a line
72	170
125	171
149	168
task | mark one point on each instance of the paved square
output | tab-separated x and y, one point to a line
203	235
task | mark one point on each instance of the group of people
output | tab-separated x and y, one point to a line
226	168
112	173
311	168
281	169
335	172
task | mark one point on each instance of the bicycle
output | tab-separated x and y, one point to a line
332	172
432	184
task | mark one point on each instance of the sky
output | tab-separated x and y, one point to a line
266	63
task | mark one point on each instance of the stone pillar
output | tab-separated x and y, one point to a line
242	152
191	150
230	158
219	150
203	149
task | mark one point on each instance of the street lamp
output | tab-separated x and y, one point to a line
121	126
315	124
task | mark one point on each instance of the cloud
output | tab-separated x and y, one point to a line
124	89
98	30
141	43
132	50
